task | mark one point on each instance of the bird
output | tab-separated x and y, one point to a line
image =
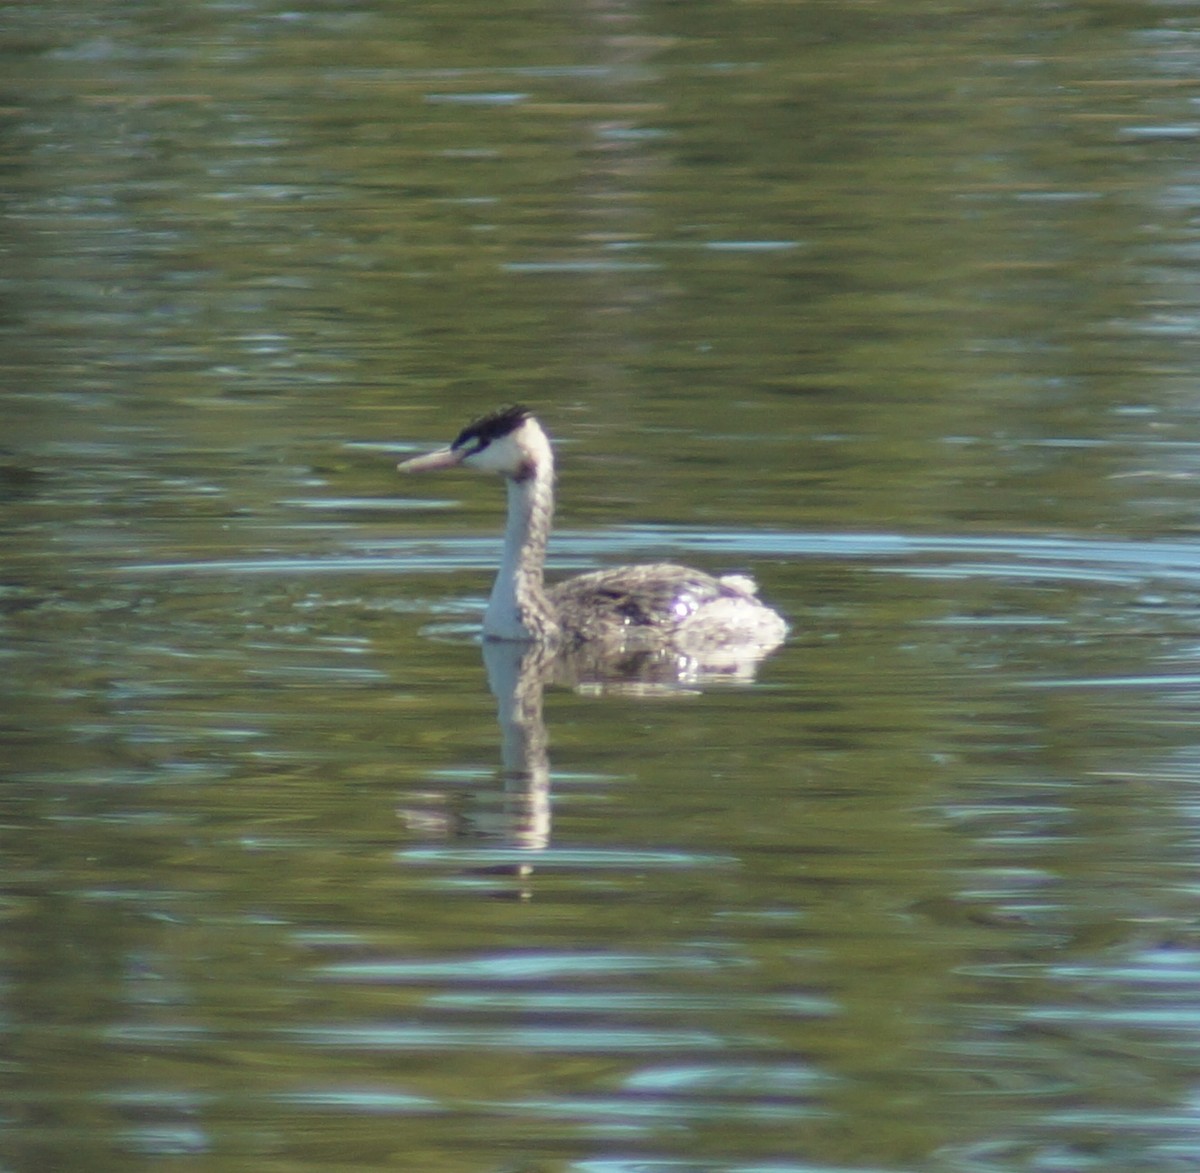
617	610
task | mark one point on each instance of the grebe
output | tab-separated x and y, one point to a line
627	608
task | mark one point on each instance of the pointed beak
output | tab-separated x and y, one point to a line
432	461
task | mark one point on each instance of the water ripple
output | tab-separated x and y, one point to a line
742	1078
365	1100
605	1001
574	858
1100	561
565	1039
508	967
626	1109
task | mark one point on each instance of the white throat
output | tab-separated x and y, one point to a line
518	608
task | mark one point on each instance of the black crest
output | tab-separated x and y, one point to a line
481	432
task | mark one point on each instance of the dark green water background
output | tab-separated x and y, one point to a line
893	305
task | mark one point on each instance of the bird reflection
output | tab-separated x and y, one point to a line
516	675
508	820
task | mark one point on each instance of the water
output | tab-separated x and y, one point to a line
898	315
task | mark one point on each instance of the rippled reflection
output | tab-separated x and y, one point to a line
898	314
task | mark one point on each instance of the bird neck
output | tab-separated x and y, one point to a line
518	608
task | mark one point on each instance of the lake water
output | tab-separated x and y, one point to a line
897	312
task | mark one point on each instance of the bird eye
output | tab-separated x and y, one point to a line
469	445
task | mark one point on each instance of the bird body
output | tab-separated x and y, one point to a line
624	608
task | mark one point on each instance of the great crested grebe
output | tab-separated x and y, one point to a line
659	605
